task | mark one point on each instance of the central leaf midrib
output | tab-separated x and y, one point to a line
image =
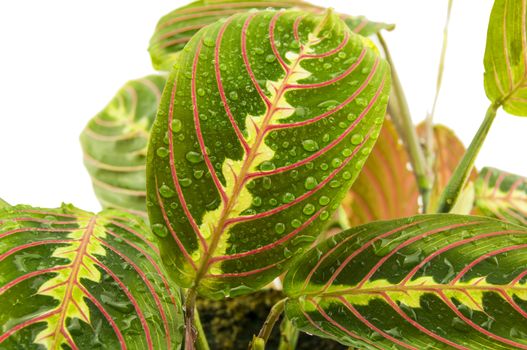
72	280
242	176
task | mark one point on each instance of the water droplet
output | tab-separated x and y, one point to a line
194	157
176	125
346	175
267	166
357	139
309	209
288	197
162	152
198	174
296	223
270	58
160	230
310	145
324	215
334	184
166	191
266	183
208	42
310	183
201	92
185	182
324	200
233	95
279	228
336	162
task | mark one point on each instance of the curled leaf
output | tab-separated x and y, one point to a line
451	281
78	280
115	141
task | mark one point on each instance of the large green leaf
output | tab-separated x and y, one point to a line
115	142
175	29
506	56
502	195
74	280
384	183
427	282
264	125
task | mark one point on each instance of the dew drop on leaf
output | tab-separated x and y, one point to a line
162	152
310	183
357	139
279	228
310	145
194	157
166	191
176	125
160	230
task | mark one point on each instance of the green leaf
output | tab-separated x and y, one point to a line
175	29
384	183
115	142
72	279
502	195
506	56
257	139
3	204
443	281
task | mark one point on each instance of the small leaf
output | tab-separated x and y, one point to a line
384	183
457	282
502	195
72	279
276	114
506	56
115	141
4	204
175	29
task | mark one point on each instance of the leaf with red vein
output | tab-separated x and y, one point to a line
114	144
384	183
506	56
73	275
271	133
458	282
502	195
175	29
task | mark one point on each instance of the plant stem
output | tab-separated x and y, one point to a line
190	330
400	113
269	323
461	174
289	335
201	341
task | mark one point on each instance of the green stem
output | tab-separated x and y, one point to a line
289	335
398	107
461	174
190	330
269	323
201	341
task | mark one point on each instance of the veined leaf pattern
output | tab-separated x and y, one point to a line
506	56
502	195
175	29
266	121
115	141
72	279
384	183
426	282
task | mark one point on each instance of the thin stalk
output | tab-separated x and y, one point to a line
458	180
398	106
190	330
429	145
289	335
269	323
201	341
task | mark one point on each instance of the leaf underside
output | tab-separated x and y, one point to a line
427	282
266	121
115	141
175	29
506	56
74	280
384	183
502	195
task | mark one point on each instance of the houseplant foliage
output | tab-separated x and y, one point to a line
226	170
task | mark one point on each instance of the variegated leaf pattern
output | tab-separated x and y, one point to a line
115	142
264	125
438	281
506	56
384	183
502	195
449	151
74	280
175	29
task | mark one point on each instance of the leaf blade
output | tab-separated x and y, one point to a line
388	282
236	217
75	272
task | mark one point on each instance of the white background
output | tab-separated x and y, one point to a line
61	61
